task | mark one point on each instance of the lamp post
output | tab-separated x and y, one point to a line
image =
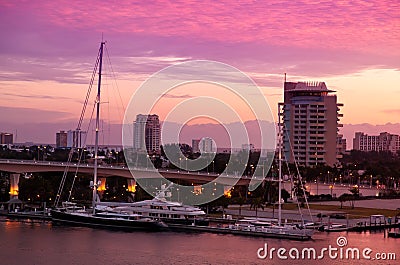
351	179
329	181
370	182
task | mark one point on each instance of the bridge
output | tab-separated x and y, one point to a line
18	167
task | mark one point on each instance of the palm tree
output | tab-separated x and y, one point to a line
257	203
240	200
343	198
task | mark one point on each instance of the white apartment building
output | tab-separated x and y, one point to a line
382	142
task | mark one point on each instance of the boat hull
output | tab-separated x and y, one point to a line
339	229
109	223
200	222
226	230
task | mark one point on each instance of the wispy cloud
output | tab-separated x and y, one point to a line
57	41
302	36
392	111
32	96
20	115
176	96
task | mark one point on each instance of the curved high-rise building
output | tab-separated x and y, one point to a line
147	133
310	117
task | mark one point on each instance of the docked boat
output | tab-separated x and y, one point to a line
160	208
334	228
394	234
71	214
113	220
271	229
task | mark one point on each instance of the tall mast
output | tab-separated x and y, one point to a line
280	143
96	143
280	169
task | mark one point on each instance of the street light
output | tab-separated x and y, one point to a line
329	181
370	182
351	178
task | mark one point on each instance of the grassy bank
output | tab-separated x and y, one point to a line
357	212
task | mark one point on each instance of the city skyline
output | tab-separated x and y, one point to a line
48	53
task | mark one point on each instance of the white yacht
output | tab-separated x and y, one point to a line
159	208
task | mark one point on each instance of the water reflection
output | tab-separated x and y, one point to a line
44	243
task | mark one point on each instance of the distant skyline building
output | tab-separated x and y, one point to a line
342	144
206	145
309	116
147	133
382	142
61	139
6	138
249	147
76	138
195	145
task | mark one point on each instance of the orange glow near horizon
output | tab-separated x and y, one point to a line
185	92
48	52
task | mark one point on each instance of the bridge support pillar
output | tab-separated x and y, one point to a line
227	191
131	188
102	187
131	185
14	190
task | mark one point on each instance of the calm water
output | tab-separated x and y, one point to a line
47	244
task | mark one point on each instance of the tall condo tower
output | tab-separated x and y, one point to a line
147	133
309	117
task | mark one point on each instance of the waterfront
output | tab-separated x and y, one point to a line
336	189
44	243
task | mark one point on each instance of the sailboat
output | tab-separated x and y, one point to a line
271	228
291	229
70	213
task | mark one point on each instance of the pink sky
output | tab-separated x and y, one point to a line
48	49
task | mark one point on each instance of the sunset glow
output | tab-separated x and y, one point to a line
49	47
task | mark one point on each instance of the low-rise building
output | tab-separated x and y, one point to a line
382	142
